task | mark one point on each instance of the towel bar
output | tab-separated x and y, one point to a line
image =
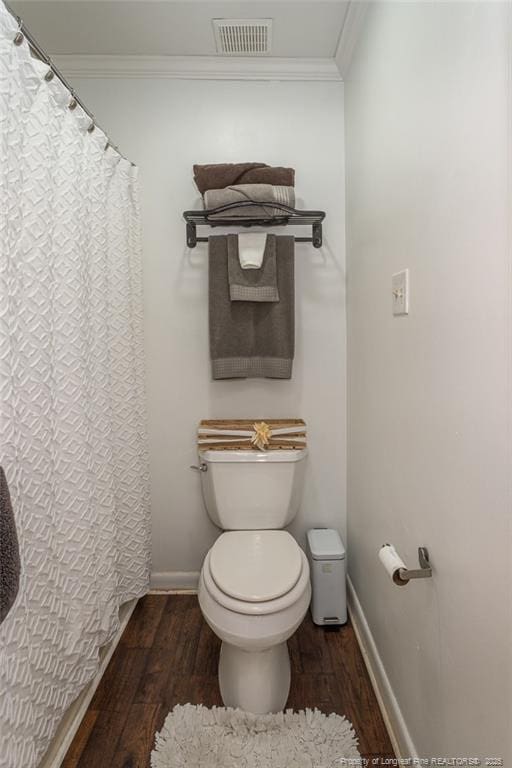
291	216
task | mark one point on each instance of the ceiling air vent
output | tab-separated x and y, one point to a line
243	37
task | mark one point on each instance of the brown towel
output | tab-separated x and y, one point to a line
9	551
220	175
250	339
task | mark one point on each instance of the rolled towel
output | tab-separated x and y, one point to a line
252	284
251	247
9	551
219	175
265	194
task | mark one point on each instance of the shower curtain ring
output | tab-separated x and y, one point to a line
49	75
91	127
73	103
19	36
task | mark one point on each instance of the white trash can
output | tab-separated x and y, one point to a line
327	561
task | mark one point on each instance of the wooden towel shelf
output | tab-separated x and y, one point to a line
236	434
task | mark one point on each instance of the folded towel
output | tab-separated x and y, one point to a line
264	193
252	284
218	175
251	247
251	338
9	551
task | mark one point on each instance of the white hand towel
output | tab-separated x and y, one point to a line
251	247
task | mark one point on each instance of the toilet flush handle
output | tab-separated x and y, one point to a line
203	467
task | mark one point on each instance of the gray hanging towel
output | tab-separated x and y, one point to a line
253	284
250	339
9	551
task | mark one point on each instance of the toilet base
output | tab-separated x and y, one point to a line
255	681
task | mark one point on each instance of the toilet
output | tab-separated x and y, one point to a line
254	587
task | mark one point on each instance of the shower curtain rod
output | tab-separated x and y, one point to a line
41	54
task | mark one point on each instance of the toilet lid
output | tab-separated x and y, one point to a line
255	565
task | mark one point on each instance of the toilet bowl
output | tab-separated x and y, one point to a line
254	591
254	587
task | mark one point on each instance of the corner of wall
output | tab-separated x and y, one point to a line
349	37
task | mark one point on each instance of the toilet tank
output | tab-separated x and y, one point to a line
251	490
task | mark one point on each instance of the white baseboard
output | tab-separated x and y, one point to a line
70	723
401	740
174	581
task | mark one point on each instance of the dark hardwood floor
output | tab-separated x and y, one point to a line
168	655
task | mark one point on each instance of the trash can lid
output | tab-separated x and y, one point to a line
325	544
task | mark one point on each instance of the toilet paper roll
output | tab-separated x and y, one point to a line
392	562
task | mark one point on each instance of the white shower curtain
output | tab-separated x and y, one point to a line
72	419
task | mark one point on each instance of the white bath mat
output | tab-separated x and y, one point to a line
197	737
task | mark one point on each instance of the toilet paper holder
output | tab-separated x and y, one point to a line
404	575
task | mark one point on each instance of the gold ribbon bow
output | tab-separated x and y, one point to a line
262	435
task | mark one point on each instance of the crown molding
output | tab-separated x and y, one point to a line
350	34
197	68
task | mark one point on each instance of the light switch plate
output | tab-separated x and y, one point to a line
400	292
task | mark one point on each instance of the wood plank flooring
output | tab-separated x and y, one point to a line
168	655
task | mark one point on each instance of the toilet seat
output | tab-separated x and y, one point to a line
255	566
296	574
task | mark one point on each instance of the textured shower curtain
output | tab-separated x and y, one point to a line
72	419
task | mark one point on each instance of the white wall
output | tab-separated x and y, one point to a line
428	159
165	126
